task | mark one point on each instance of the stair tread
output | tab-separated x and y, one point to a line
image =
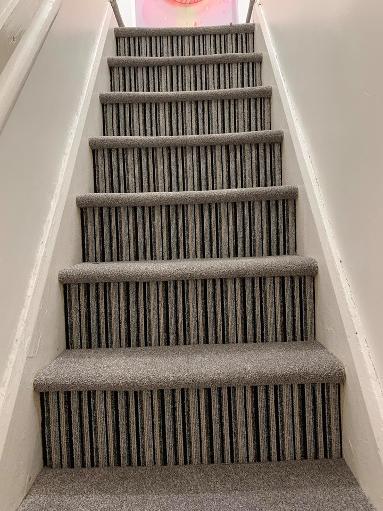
186	60
162	97
187	197
190	366
278	486
155	31
189	269
247	137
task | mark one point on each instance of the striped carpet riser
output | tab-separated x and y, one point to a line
173	169
200	76
191	426
188	231
178	312
187	117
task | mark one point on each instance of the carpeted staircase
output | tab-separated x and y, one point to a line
190	323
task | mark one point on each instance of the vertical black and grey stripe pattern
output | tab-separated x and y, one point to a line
192	41
184	114
180	312
190	167
186	231
146	74
238	424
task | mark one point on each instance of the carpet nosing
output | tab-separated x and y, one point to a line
187	197
223	58
260	91
189	269
220	139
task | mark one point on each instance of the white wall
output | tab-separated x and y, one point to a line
45	162
6	7
242	8
330	53
128	12
326	58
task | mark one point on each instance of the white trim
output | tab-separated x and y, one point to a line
242	8
357	340
16	71
26	325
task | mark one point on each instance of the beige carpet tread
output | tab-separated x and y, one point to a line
191	366
283	486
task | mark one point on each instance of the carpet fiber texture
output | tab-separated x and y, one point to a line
190	322
297	486
190	366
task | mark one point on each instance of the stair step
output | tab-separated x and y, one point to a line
200	301
287	486
177	225
178	367
193	72
191	405
187	162
185	40
186	112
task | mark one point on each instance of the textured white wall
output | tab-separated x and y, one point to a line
330	54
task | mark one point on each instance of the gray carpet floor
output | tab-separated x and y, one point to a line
294	486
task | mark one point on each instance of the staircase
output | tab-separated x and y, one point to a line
190	323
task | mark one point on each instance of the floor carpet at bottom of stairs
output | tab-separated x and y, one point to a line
282	486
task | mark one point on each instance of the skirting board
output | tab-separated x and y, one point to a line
363	453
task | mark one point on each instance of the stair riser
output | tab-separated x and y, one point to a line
191	426
178	45
186	77
133	314
187	118
155	169
188	231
